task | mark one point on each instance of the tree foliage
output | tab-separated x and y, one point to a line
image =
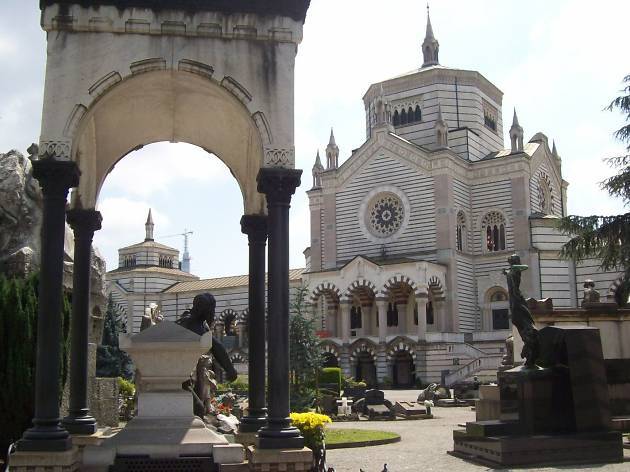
607	237
305	358
110	360
18	332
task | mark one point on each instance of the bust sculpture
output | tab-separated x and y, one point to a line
521	316
590	294
198	320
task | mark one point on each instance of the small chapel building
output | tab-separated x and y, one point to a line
409	236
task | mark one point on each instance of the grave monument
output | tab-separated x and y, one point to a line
122	74
555	408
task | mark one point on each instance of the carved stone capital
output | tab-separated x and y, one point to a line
280	157
56	177
84	221
278	184
255	227
54	149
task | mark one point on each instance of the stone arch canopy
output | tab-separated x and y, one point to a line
167	106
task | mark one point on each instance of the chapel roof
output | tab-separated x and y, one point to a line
295	9
222	282
154	269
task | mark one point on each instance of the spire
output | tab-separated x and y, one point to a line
516	135
515	118
149	227
430	45
331	141
318	168
441	130
429	33
554	150
332	152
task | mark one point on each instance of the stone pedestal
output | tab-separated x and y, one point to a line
165	428
279	460
553	415
488	407
27	461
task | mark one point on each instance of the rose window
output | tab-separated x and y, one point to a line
386	214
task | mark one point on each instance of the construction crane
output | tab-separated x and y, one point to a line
185	256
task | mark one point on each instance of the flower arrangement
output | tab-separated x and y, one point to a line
311	425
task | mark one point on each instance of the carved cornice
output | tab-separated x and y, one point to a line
123	17
295	9
278	184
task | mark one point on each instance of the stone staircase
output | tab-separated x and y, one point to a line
484	365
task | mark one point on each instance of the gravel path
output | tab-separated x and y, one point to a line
424	444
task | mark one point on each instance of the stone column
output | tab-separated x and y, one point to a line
421	301
278	184
439	314
344	310
55	179
381	306
83	223
255	227
403	319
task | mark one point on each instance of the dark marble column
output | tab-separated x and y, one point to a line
83	224
278	185
55	179
255	227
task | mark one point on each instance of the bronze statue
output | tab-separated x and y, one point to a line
521	316
198	319
590	294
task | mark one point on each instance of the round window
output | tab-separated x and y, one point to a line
385	215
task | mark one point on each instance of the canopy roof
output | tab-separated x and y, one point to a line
295	9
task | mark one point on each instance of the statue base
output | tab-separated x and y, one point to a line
556	415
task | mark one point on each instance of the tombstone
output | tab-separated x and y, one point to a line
412	410
375	406
557	414
344	406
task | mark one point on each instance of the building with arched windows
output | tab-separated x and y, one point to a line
410	233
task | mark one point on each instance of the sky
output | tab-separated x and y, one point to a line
559	63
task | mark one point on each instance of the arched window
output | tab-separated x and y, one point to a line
396	118
493	232
499	310
356	317
410	117
403	117
415	314
417	115
392	314
461	231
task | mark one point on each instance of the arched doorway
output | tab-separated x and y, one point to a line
403	370
365	369
330	360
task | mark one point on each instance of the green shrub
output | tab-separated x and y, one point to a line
330	376
239	385
126	388
18	335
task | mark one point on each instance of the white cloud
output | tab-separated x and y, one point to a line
162	167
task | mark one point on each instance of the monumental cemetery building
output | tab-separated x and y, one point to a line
408	237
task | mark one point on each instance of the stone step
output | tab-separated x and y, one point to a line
241	467
491	428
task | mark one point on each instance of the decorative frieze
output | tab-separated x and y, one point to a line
55	149
106	18
283	157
